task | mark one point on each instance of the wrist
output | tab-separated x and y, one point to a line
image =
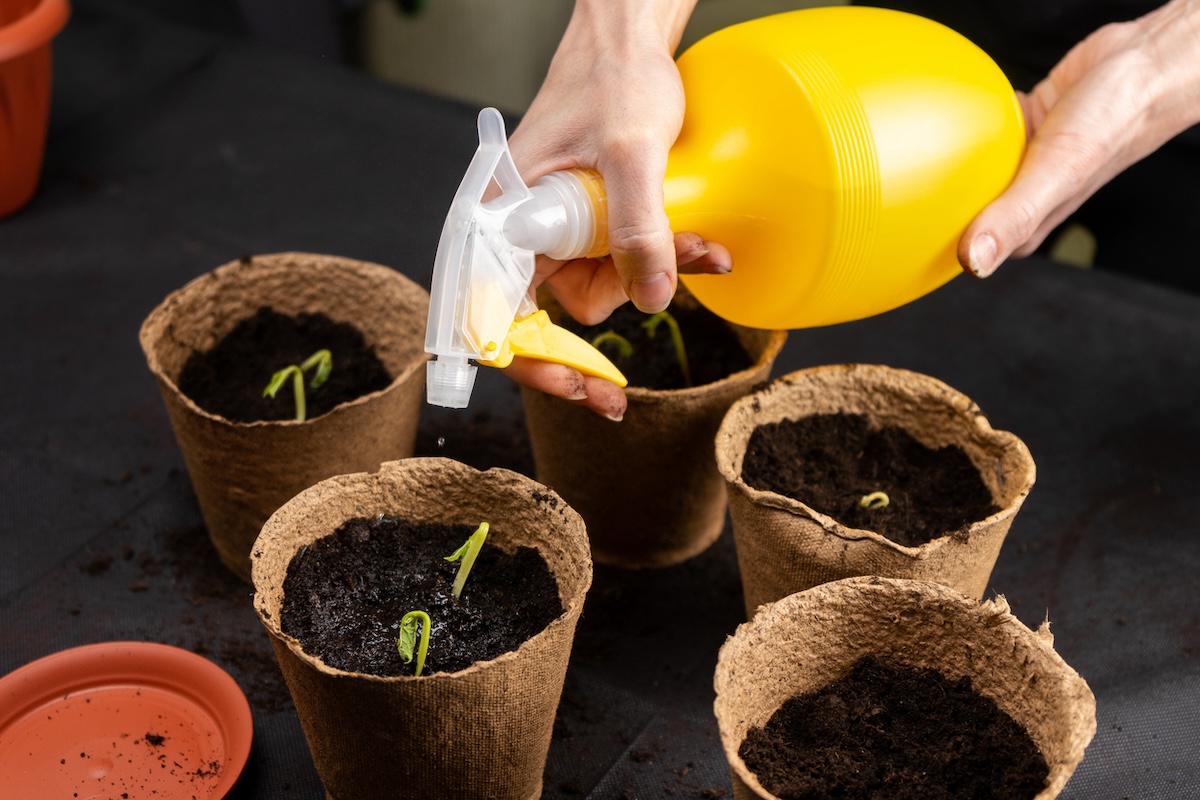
1172	43
628	23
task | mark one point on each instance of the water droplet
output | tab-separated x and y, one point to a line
441	442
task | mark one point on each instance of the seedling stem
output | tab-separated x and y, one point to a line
651	325
622	345
321	361
408	639
468	553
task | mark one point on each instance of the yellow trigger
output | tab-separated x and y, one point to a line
537	337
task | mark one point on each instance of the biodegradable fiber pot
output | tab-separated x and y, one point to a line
242	472
784	546
646	486
812	638
482	732
26	29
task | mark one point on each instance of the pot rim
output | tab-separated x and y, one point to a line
33	30
742	408
775	342
572	607
160	374
775	617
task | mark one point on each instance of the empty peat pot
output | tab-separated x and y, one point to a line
807	641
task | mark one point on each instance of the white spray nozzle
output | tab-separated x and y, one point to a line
476	265
484	267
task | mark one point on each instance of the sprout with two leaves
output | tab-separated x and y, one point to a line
321	362
650	326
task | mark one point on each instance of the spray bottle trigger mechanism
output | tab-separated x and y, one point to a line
480	306
537	337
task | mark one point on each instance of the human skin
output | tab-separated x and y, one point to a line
1114	99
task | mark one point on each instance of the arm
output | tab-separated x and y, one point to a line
613	101
1115	98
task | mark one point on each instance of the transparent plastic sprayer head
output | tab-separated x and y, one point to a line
480	306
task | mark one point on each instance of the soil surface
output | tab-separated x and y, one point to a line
831	461
713	349
229	379
894	732
345	594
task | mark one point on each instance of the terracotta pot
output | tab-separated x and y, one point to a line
646	486
812	638
26	29
785	546
241	471
482	732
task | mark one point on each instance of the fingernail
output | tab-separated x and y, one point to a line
983	255
693	255
615	417
651	294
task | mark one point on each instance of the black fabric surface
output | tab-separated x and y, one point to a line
174	150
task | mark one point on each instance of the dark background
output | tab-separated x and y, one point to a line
179	142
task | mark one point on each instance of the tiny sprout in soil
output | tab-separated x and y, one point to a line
468	553
408	639
321	361
874	500
651	325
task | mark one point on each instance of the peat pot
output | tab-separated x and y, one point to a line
480	732
809	640
243	471
785	545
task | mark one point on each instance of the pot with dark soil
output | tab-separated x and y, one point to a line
877	687
340	342
647	486
857	469
403	687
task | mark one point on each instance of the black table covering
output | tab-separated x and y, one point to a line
174	150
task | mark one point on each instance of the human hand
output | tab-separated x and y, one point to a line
613	102
1115	98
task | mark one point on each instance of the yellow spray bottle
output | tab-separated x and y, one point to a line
839	153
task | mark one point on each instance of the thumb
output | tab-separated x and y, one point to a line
1050	184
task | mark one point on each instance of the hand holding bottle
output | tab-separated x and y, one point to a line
1115	98
613	102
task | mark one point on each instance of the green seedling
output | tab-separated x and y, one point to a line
651	325
874	500
619	342
320	361
468	553
408	639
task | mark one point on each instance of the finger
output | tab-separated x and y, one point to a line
588	289
603	397
1051	183
694	256
639	235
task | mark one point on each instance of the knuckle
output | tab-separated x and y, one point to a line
637	242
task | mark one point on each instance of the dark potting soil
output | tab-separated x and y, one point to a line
895	732
229	379
713	349
345	594
831	461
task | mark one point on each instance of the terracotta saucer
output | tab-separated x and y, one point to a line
122	719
